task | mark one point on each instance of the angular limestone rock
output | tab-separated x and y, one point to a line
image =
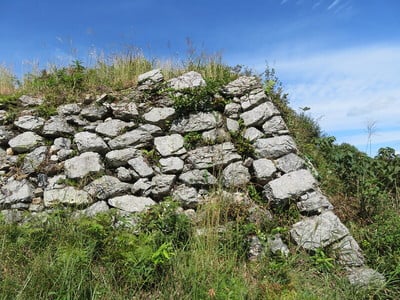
365	277
159	115
140	166
30	123
131	203
94	112
212	156
134	137
259	114
88	141
275	125
188	80
348	252
56	127
277	246
274	147
318	231
15	191
171	165
241	86
113	127
289	163
252	134
313	203
162	185
170	145
34	159
124	110
118	158
201	178
150	79
106	187
68	195
264	170
25	142
252	99
196	122
235	175
289	186
82	165
187	196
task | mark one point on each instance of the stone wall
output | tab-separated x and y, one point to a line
129	152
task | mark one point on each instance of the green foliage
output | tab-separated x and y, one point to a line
199	99
192	140
242	145
322	261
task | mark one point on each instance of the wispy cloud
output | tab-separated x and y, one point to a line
283	2
347	88
333	4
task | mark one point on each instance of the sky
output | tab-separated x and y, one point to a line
340	58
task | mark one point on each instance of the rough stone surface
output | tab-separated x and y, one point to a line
162	185
131	203
82	165
196	122
217	135
25	142
142	187
274	126
140	166
274	147
56	127
255	248
318	231
289	163
106	187
232	125
150	79
188	80
124	110
34	159
96	208
235	175
187	196
30	123
159	115
15	191
212	156
277	246
118	158
348	252
5	135
201	178
241	86
170	145
364	277
68	195
232	110
289	186
259	114
134	137
312	203
69	109
171	165
252	134
94	112
88	141
30	101
264	170
252	99
113	127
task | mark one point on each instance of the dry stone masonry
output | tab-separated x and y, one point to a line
128	154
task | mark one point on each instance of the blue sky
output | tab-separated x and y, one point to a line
341	58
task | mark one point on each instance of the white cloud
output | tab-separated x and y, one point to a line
347	88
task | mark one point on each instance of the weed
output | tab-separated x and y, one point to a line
192	140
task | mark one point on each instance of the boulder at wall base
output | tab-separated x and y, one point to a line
318	231
131	203
25	142
68	195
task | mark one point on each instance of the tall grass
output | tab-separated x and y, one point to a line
7	81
